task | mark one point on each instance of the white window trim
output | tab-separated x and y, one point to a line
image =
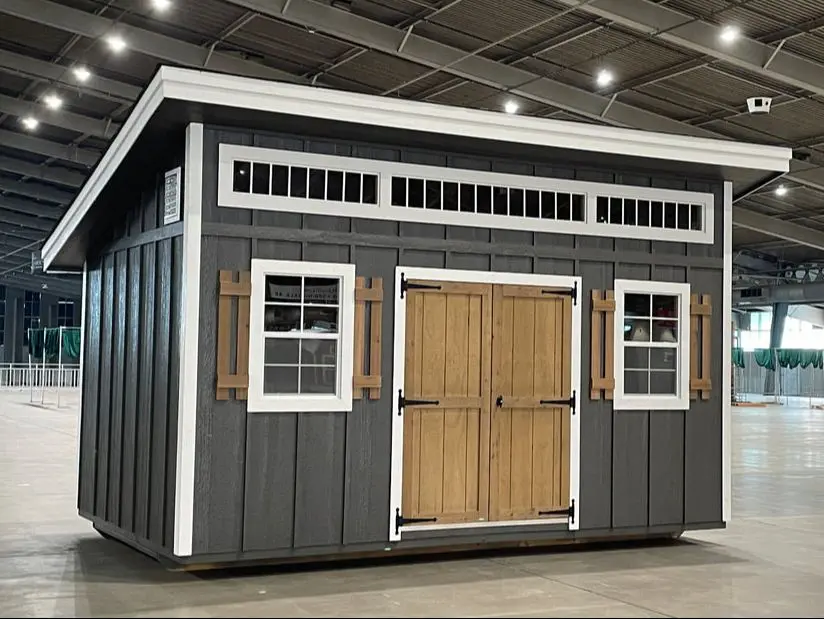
398	364
227	197
622	401
258	402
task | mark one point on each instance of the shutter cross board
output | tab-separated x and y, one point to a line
700	348
229	290
374	297
603	325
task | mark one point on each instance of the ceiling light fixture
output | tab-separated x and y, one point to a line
162	5
604	77
780	191
52	101
30	123
511	107
730	34
81	73
116	43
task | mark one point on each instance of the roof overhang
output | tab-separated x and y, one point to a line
208	89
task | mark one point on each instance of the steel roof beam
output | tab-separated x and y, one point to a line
36	191
101	87
16	233
60	176
47	148
27	207
139	40
62	118
25	221
669	25
795	233
23	279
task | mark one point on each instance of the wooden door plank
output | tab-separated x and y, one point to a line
432	421
543	452
456	384
484	437
523	383
411	424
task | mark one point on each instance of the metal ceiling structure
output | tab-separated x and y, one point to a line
676	69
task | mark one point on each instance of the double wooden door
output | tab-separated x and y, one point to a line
487	390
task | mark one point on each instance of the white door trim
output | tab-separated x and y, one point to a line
399	354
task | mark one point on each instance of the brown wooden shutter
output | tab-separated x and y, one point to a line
228	308
700	346
603	327
373	296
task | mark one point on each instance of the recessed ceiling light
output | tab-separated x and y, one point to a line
730	34
511	107
116	43
52	101
81	73
604	77
162	5
30	123
781	190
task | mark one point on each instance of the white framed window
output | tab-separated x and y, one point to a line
652	351
301	330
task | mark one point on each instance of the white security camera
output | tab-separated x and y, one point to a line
759	105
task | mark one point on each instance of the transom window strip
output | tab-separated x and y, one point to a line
295	181
411	192
301	348
651	344
649	213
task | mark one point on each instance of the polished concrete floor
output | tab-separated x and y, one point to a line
769	563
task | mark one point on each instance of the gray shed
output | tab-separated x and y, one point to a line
319	323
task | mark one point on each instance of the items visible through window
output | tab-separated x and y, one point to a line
651	344
301	331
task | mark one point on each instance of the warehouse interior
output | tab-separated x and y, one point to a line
744	70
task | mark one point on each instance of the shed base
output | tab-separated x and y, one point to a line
418	547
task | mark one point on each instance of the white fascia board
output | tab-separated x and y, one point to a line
276	97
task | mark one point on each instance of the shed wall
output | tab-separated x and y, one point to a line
293	482
130	387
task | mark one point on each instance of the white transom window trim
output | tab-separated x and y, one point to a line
279	180
301	330
652	350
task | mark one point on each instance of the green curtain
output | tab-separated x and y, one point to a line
71	345
764	358
738	357
36	343
787	358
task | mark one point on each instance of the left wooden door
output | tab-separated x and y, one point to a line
447	401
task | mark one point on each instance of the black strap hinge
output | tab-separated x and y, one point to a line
405	285
401	521
568	512
572	293
570	402
403	402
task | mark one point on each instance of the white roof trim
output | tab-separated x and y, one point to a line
258	94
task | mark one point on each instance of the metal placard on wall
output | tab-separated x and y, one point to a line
171	197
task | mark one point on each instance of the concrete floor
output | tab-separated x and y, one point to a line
769	563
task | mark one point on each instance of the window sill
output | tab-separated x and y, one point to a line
298	404
650	403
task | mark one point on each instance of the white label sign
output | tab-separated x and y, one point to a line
171	197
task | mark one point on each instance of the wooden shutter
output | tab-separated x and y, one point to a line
373	298
602	356
700	346
233	306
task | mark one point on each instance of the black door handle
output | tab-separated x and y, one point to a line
499	401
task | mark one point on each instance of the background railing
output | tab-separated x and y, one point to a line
754	383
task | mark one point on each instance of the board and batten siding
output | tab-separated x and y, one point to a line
299	482
128	439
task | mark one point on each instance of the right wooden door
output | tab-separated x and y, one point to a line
531	397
